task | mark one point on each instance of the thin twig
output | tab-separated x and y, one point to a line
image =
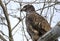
33	2
48	6
42	8
52	16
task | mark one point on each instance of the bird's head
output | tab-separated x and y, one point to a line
27	8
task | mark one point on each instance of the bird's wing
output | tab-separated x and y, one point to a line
38	22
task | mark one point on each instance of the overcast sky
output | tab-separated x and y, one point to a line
19	36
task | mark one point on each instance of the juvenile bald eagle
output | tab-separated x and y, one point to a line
36	24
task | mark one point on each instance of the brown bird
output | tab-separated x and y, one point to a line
36	24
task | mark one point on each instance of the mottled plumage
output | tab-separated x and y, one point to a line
36	24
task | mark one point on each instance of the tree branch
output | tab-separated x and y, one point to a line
51	35
7	19
2	38
49	6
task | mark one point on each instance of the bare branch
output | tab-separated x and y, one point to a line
51	35
2	38
52	16
7	19
42	8
17	24
3	33
34	2
49	6
3	24
7	2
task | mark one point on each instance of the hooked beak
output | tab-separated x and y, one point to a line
23	9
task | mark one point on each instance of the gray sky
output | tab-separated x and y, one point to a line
19	36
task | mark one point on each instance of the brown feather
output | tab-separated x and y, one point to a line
36	24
